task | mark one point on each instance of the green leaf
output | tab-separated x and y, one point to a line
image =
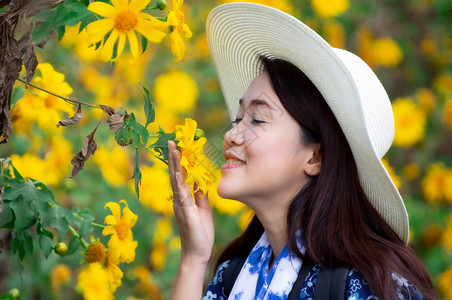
72	246
25	214
144	44
46	243
7	217
45	20
161	145
22	195
149	111
85	228
55	216
137	173
143	133
124	136
18	93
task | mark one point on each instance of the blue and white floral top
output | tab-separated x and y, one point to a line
357	287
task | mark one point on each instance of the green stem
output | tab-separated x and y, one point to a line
75	233
156	156
92	223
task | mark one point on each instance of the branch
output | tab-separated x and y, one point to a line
72	101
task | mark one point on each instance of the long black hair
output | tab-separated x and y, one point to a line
339	224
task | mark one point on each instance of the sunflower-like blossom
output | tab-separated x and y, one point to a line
120	230
121	20
197	165
176	20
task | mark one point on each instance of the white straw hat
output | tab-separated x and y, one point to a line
238	33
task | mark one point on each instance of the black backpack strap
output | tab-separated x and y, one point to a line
331	284
231	273
298	284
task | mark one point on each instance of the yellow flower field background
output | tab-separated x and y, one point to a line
132	245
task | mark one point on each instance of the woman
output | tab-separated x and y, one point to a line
312	124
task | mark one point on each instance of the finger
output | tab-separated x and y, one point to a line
184	193
202	200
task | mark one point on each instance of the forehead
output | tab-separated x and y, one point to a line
260	94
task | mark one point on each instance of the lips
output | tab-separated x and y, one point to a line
232	161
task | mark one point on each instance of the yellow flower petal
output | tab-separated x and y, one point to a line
114	208
177	4
172	19
107	50
103	9
108	230
131	36
110	220
137	5
121	44
98	29
188	33
150	30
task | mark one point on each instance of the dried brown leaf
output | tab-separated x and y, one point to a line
115	121
107	109
75	119
88	149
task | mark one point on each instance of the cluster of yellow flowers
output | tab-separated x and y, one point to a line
437	183
124	18
102	276
378	51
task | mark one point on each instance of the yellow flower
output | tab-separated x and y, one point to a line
245	218
155	188
196	164
146	283
436	184
409	122
95	252
163	230
392	174
41	107
176	19
114	164
58	159
335	34
120	229
114	272
60	274
224	206
447	235
158	256
444	285
411	171
443	83
31	166
447	113
93	281
329	8
122	20
83	49
426	99
386	52
176	91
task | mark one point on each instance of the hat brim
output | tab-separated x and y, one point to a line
239	33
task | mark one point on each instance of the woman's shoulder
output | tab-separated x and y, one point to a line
358	288
215	289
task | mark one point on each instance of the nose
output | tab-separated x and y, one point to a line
235	136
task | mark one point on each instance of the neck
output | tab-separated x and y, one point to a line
274	223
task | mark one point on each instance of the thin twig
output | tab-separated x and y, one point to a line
72	101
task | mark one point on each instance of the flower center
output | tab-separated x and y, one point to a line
191	157
126	20
95	253
180	20
121	230
50	101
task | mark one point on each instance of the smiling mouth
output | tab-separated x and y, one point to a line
232	163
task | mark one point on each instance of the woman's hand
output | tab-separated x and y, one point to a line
194	218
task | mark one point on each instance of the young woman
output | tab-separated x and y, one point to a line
312	124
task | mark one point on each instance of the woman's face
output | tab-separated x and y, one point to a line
265	157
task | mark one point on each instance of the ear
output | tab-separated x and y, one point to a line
314	164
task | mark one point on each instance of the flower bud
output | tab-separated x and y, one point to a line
60	248
161	4
14	293
199	133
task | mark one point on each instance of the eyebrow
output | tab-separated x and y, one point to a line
256	102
